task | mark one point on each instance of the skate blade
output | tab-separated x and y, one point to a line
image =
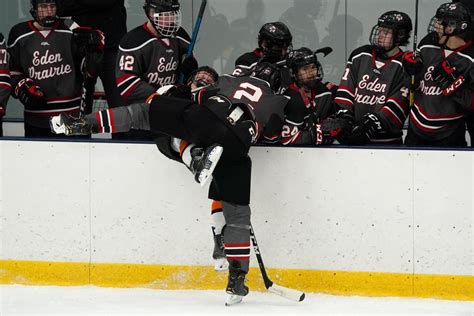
206	175
56	125
233	299
221	265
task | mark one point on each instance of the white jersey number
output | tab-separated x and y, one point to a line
248	91
126	63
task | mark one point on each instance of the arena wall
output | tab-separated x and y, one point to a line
333	220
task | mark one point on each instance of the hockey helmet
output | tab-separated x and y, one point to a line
47	17
451	19
395	22
203	76
164	15
305	77
269	73
274	34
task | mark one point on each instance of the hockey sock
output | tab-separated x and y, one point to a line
185	152
217	216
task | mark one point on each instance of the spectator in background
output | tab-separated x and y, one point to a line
110	17
151	56
52	59
5	82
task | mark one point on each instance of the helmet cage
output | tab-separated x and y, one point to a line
166	23
51	16
454	16
309	77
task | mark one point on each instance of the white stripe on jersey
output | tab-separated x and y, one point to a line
131	85
322	94
184	40
64	101
126	80
294	123
438	119
246	67
397	104
363	53
138	47
20	37
395	115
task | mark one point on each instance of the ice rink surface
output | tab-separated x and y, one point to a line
48	300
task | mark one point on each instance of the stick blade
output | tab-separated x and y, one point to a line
288	293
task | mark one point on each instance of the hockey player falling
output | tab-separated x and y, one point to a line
226	119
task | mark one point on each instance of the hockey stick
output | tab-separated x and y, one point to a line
272	287
415	42
325	51
196	28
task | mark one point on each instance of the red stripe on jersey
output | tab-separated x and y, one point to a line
239	245
403	105
343	101
4	72
5	86
112	120
438	117
130	89
121	79
418	124
99	122
394	118
238	258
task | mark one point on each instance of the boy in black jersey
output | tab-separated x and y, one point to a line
274	43
5	81
47	68
373	92
232	116
444	71
151	56
310	103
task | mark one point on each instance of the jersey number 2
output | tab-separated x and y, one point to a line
248	91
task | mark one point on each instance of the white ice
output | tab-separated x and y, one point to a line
88	300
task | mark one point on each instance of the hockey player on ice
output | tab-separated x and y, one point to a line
374	90
444	72
230	117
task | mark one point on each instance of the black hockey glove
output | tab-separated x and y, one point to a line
365	129
180	91
447	78
412	64
88	39
187	66
337	126
29	94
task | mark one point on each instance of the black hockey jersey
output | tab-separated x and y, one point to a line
5	81
303	113
47	57
267	107
146	62
373	85
435	116
247	62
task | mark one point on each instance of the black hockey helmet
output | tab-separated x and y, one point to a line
269	73
275	34
50	18
401	26
166	16
453	15
203	76
299	58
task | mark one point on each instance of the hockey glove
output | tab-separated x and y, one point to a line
365	129
447	78
89	39
412	64
336	127
29	94
187	66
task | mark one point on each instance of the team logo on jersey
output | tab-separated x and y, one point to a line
45	44
55	62
165	73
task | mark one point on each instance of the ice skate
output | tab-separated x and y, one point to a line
220	261
204	161
69	125
236	287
